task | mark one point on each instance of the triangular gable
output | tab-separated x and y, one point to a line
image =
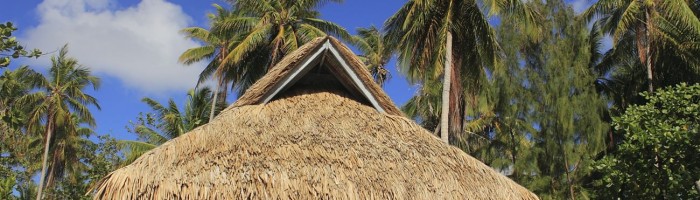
336	59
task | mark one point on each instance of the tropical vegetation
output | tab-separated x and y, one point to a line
375	54
10	47
655	159
63	105
662	34
423	33
526	87
167	122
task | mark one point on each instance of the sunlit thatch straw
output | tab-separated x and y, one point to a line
315	127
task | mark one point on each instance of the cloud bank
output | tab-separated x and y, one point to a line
139	45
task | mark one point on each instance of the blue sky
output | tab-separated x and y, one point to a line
133	45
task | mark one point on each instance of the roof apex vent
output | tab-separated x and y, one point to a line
335	59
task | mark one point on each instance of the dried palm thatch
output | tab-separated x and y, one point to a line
314	140
256	93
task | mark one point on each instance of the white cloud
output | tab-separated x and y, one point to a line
139	45
581	5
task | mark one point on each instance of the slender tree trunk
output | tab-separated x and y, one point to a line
50	175
44	166
648	61
220	78
569	182
437	131
566	166
446	83
697	185
224	92
612	140
213	102
514	154
457	106
571	191
223	85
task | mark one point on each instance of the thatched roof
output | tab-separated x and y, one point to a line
321	137
328	51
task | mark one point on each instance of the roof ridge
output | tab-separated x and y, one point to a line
328	52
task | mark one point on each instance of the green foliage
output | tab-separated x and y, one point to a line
374	52
14	84
19	161
103	159
167	122
526	93
58	108
659	155
424	107
246	40
18	150
539	118
655	44
100	158
7	183
216	47
278	26
419	31
10	48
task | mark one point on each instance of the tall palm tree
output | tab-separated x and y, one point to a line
375	54
240	41
658	30
60	95
167	122
68	149
279	26
216	47
423	33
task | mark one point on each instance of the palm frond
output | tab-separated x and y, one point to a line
194	55
135	149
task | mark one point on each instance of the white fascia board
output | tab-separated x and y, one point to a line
327	46
355	78
286	81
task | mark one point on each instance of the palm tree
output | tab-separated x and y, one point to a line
68	149
168	122
375	53
14	84
663	33
278	26
423	107
240	41
424	31
60	96
216	47
18	145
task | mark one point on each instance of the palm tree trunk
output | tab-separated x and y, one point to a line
457	106
223	86
220	78
446	83
648	62
224	92
50	175
213	102
44	166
